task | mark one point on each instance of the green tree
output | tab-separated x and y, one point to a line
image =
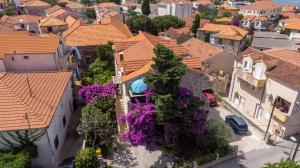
238	17
10	9
52	2
90	13
102	69
286	31
196	24
138	23
105	53
87	158
226	14
165	22
283	164
146	7
15	160
167	72
98	122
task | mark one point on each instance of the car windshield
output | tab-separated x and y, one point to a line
243	126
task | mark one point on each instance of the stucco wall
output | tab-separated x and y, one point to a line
49	157
223	61
35	62
2	66
275	12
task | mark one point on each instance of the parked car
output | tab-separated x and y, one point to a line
237	123
211	97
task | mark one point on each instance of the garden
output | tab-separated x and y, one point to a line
170	119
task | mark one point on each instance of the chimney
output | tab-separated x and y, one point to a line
121	56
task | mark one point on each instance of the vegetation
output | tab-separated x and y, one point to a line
226	14
238	17
210	14
196	24
52	2
163	23
171	118
89	13
285	31
283	164
138	23
102	69
158	24
15	160
206	158
146	7
10	9
87	158
98	121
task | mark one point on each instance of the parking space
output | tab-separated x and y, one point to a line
251	141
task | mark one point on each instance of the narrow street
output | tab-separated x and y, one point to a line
253	151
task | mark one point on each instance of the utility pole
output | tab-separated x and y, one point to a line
296	150
273	108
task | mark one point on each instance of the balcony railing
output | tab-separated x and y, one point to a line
280	116
249	78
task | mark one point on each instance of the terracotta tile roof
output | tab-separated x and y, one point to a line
37	3
63	13
51	21
289	8
147	42
47	90
6	28
95	34
188	21
204	2
227	7
23	42
20	18
291	23
144	69
70	20
53	9
262	5
255	18
200	49
107	5
282	64
225	31
285	55
291	15
175	33
224	19
74	5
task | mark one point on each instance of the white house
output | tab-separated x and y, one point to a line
262	79
236	3
265	8
37	101
181	9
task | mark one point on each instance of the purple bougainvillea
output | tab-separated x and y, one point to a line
88	93
141	124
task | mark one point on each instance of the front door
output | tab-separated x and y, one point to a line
258	112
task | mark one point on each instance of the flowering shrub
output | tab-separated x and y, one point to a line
88	93
141	123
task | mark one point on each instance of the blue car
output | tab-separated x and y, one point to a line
237	123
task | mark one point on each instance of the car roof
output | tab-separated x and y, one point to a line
239	120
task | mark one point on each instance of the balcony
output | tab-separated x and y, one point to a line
250	79
280	116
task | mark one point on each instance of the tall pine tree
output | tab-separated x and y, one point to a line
146	7
196	24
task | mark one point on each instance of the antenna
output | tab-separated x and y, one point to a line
27	79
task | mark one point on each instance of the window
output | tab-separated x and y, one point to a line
26	57
220	41
62	104
64	121
56	142
231	42
13	58
245	64
256	23
49	29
